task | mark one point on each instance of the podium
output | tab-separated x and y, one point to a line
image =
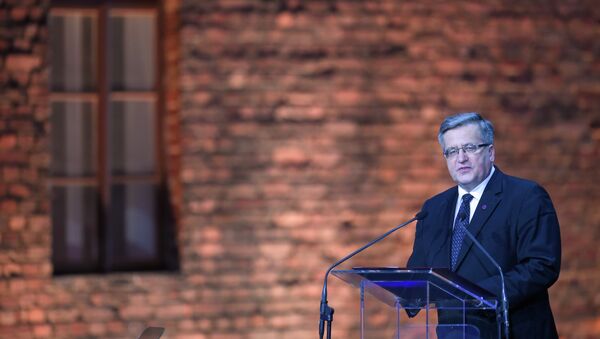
422	303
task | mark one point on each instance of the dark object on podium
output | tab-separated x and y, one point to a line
152	333
424	303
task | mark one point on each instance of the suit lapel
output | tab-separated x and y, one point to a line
489	201
441	256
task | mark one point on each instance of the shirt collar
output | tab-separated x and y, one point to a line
477	192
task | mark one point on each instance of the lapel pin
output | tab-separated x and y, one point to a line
484	206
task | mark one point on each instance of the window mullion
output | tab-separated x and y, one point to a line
106	234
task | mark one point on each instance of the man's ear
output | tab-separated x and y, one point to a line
492	151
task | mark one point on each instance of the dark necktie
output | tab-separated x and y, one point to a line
460	225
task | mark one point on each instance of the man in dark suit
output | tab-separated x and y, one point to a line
512	218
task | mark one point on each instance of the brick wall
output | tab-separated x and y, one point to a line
298	130
24	221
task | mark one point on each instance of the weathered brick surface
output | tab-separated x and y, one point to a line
296	131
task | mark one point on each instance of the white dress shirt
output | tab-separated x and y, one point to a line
477	192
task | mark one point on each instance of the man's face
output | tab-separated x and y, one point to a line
468	169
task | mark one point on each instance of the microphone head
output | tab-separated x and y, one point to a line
421	215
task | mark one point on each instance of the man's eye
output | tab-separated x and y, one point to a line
452	151
470	148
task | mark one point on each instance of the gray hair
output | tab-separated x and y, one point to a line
485	126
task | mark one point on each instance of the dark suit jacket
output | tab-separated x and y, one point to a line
516	222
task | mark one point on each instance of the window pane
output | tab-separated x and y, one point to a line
133	59
72	52
74	224
133	138
73	139
134	220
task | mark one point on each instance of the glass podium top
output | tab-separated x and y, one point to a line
418	288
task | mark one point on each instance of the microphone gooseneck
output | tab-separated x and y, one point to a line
326	311
503	287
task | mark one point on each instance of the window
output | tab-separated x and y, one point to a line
107	186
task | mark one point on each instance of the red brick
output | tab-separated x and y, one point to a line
116	327
8	318
313	113
20	191
18	13
290	156
136	312
291	219
98	315
8	207
8	142
98	329
13	158
65	316
42	331
17	223
36	316
22	63
174	312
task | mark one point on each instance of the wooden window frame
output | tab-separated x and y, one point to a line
102	96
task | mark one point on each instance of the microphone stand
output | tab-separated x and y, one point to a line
326	312
504	300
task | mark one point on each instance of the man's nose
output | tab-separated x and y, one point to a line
461	156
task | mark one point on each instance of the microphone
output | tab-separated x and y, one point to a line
462	216
325	310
